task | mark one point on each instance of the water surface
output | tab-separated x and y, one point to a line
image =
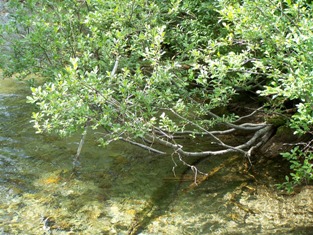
125	190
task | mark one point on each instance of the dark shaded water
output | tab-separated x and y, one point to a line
123	189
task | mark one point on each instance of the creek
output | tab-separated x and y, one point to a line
125	190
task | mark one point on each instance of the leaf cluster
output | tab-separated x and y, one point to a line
301	167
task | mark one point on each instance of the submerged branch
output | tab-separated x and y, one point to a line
212	172
80	146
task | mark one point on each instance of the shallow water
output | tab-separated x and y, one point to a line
125	190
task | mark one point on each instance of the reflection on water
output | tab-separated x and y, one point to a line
124	190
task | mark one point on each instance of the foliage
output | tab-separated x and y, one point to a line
301	166
279	57
148	69
76	51
279	50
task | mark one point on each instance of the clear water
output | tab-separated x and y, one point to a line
125	190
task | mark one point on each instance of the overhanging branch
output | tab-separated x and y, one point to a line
245	148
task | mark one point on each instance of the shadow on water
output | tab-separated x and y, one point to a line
172	188
158	204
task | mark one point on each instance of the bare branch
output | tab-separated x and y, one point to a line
192	167
80	146
182	133
150	149
175	164
199	127
178	148
249	115
115	66
244	127
228	149
257	135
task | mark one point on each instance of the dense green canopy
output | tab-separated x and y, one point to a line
145	71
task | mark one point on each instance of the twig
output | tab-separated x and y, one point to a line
178	134
175	164
115	66
192	167
150	149
244	127
249	115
